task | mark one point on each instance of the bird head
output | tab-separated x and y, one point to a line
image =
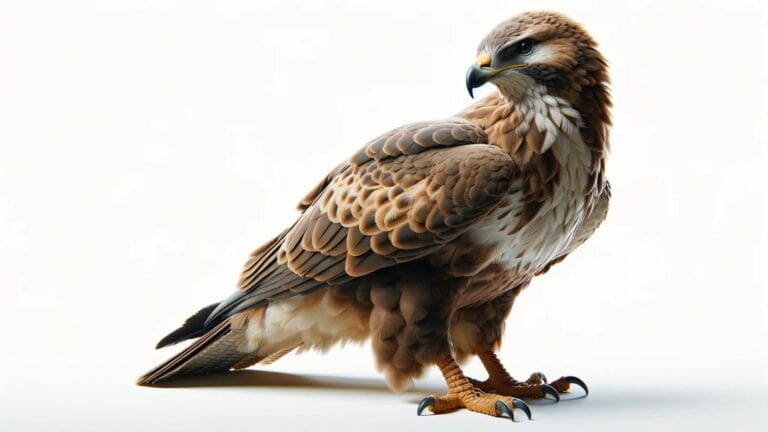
537	48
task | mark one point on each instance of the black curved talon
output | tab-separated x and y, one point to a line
519	404
549	390
576	380
541	376
503	408
428	401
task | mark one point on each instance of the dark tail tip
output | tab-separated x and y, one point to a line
193	327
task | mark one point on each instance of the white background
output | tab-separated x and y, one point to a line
146	147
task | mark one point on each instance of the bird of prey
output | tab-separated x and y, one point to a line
421	240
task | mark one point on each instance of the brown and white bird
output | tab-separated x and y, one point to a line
422	239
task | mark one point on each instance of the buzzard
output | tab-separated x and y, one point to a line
423	238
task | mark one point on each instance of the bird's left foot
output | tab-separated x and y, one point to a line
535	387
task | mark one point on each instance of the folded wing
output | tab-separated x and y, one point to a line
400	198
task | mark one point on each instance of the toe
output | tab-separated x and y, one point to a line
549	390
502	410
427	402
519	404
537	378
563	384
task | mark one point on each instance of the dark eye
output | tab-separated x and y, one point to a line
525	46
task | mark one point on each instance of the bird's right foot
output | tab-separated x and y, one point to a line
484	403
462	394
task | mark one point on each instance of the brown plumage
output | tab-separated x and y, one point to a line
423	238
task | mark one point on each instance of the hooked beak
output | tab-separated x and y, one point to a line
476	77
481	72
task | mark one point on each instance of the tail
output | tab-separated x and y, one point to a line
221	335
215	351
221	347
